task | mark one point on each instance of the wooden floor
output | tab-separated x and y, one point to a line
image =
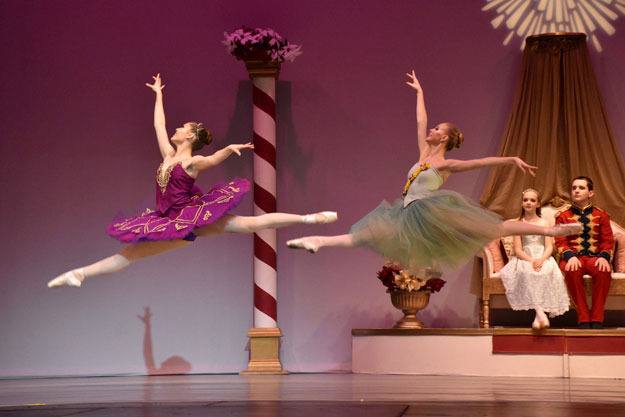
313	395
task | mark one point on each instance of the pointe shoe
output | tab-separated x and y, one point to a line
536	325
303	243
322	217
69	279
567	229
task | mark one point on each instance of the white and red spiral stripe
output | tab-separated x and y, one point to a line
265	268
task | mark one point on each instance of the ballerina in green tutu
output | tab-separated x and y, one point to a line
429	227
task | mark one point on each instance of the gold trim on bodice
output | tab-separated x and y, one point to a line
161	180
423	167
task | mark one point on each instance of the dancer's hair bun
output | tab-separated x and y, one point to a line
456	137
202	136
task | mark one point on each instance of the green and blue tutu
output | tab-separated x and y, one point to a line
441	229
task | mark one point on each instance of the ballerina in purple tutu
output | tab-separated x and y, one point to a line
182	211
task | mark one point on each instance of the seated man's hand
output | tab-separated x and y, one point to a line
603	265
573	264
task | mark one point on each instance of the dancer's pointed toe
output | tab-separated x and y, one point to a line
322	217
68	279
303	243
327	217
295	244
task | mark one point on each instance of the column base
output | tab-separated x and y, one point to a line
264	352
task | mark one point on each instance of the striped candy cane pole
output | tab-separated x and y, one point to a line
265	268
264	338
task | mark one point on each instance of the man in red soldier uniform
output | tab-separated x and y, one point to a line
589	252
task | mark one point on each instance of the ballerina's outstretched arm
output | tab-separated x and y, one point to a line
159	118
422	117
456	165
201	163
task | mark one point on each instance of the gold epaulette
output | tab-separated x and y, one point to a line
567	208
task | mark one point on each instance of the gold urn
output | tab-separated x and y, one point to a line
409	302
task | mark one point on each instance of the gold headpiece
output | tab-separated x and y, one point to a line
530	189
197	130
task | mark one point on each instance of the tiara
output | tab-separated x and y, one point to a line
529	189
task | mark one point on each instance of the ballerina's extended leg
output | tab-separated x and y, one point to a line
250	224
115	263
75	277
510	228
313	243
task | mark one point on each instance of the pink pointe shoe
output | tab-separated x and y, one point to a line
68	279
311	244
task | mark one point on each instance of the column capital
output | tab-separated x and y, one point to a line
262	68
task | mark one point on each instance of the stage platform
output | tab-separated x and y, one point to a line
561	353
311	395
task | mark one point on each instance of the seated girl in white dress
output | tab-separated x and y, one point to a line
532	277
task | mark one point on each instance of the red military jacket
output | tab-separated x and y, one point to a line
596	238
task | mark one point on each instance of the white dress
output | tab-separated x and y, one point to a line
526	288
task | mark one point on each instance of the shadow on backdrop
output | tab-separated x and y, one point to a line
172	365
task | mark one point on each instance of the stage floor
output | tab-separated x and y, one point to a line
312	395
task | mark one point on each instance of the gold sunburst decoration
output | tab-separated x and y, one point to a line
530	17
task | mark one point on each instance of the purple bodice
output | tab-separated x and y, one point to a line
175	189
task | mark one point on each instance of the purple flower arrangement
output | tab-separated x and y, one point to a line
396	279
260	44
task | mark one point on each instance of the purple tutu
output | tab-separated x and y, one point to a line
181	207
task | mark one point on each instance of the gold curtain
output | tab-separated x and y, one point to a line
559	124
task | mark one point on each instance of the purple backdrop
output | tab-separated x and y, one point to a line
78	147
